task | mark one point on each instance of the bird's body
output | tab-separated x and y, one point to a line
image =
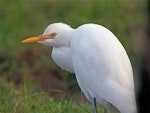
99	61
102	67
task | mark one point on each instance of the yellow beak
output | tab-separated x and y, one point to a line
39	38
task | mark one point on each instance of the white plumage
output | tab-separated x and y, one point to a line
99	61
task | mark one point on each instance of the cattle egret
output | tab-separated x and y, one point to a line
99	61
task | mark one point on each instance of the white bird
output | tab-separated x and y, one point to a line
99	61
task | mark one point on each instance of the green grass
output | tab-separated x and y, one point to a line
27	100
23	18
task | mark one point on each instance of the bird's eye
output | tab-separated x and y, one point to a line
53	34
49	36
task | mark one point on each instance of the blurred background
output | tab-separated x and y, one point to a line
26	69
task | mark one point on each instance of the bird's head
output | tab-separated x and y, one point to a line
56	35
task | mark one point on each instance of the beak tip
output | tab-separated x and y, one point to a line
23	42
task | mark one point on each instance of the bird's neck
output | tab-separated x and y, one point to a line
63	58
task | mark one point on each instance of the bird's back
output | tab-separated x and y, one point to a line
102	67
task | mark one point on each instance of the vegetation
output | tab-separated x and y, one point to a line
19	89
25	100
